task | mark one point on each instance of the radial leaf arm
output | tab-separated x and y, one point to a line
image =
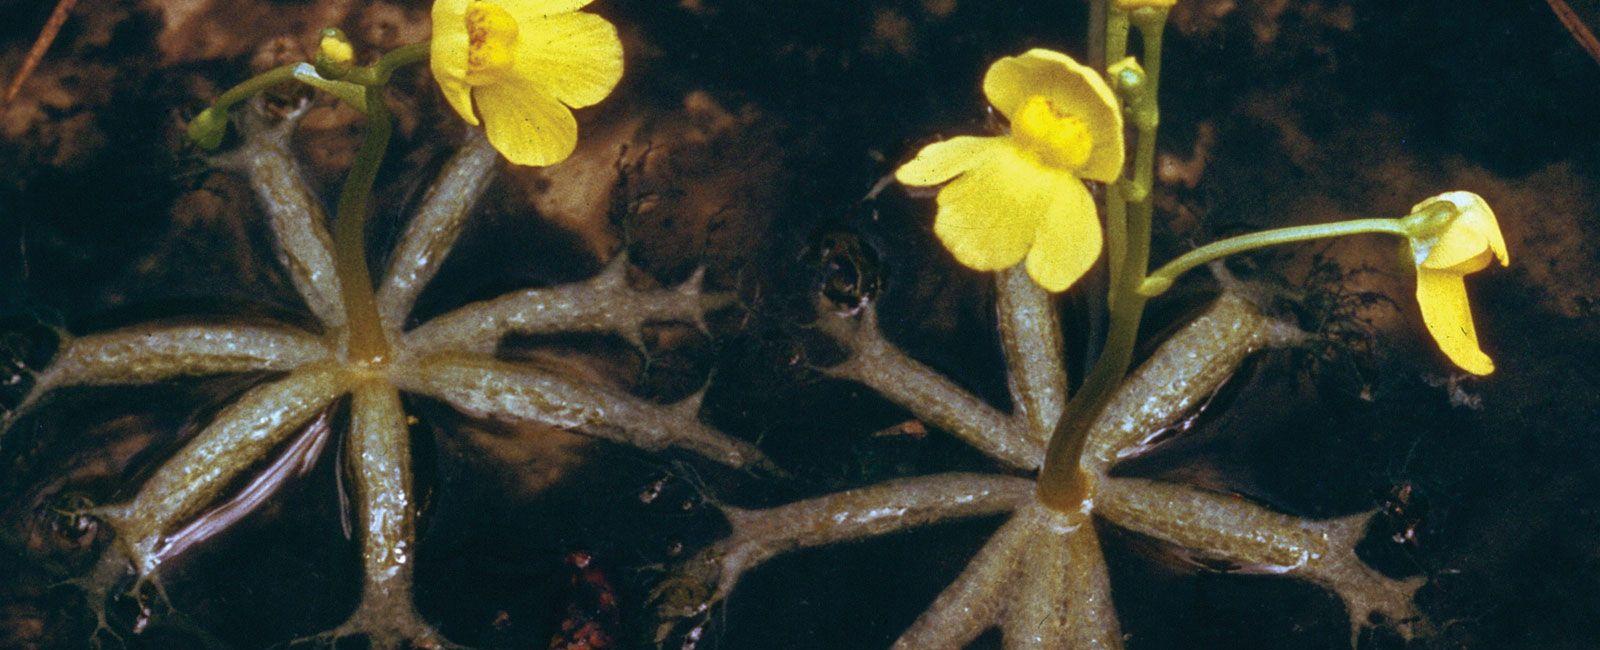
1220	526
1256	539
152	353
852	515
1030	335
1188	368
878	364
603	304
1063	595
484	387
379	454
1041	579
977	599
295	215
433	232
198	474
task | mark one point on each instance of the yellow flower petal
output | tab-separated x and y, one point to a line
1074	89
1443	298
448	59
942	161
575	57
1058	140
449	17
527	126
492	42
447	55
1456	246
1068	242
988	217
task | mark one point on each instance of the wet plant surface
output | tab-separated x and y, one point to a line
751	137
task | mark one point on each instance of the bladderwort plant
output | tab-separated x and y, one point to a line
1018	204
517	67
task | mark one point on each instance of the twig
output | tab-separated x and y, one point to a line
52	28
1574	24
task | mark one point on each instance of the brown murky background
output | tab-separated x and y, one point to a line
744	138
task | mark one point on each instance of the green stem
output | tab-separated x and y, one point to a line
1116	39
1116	240
1147	109
209	127
379	72
1062	484
1108	43
367	340
1163	278
250	87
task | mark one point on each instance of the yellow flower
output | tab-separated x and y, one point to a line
1130	5
1453	234
524	63
1022	194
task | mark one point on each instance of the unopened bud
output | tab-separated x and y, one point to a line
208	128
335	54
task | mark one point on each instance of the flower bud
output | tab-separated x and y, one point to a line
208	128
335	54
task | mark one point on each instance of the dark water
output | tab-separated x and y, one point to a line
1497	506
